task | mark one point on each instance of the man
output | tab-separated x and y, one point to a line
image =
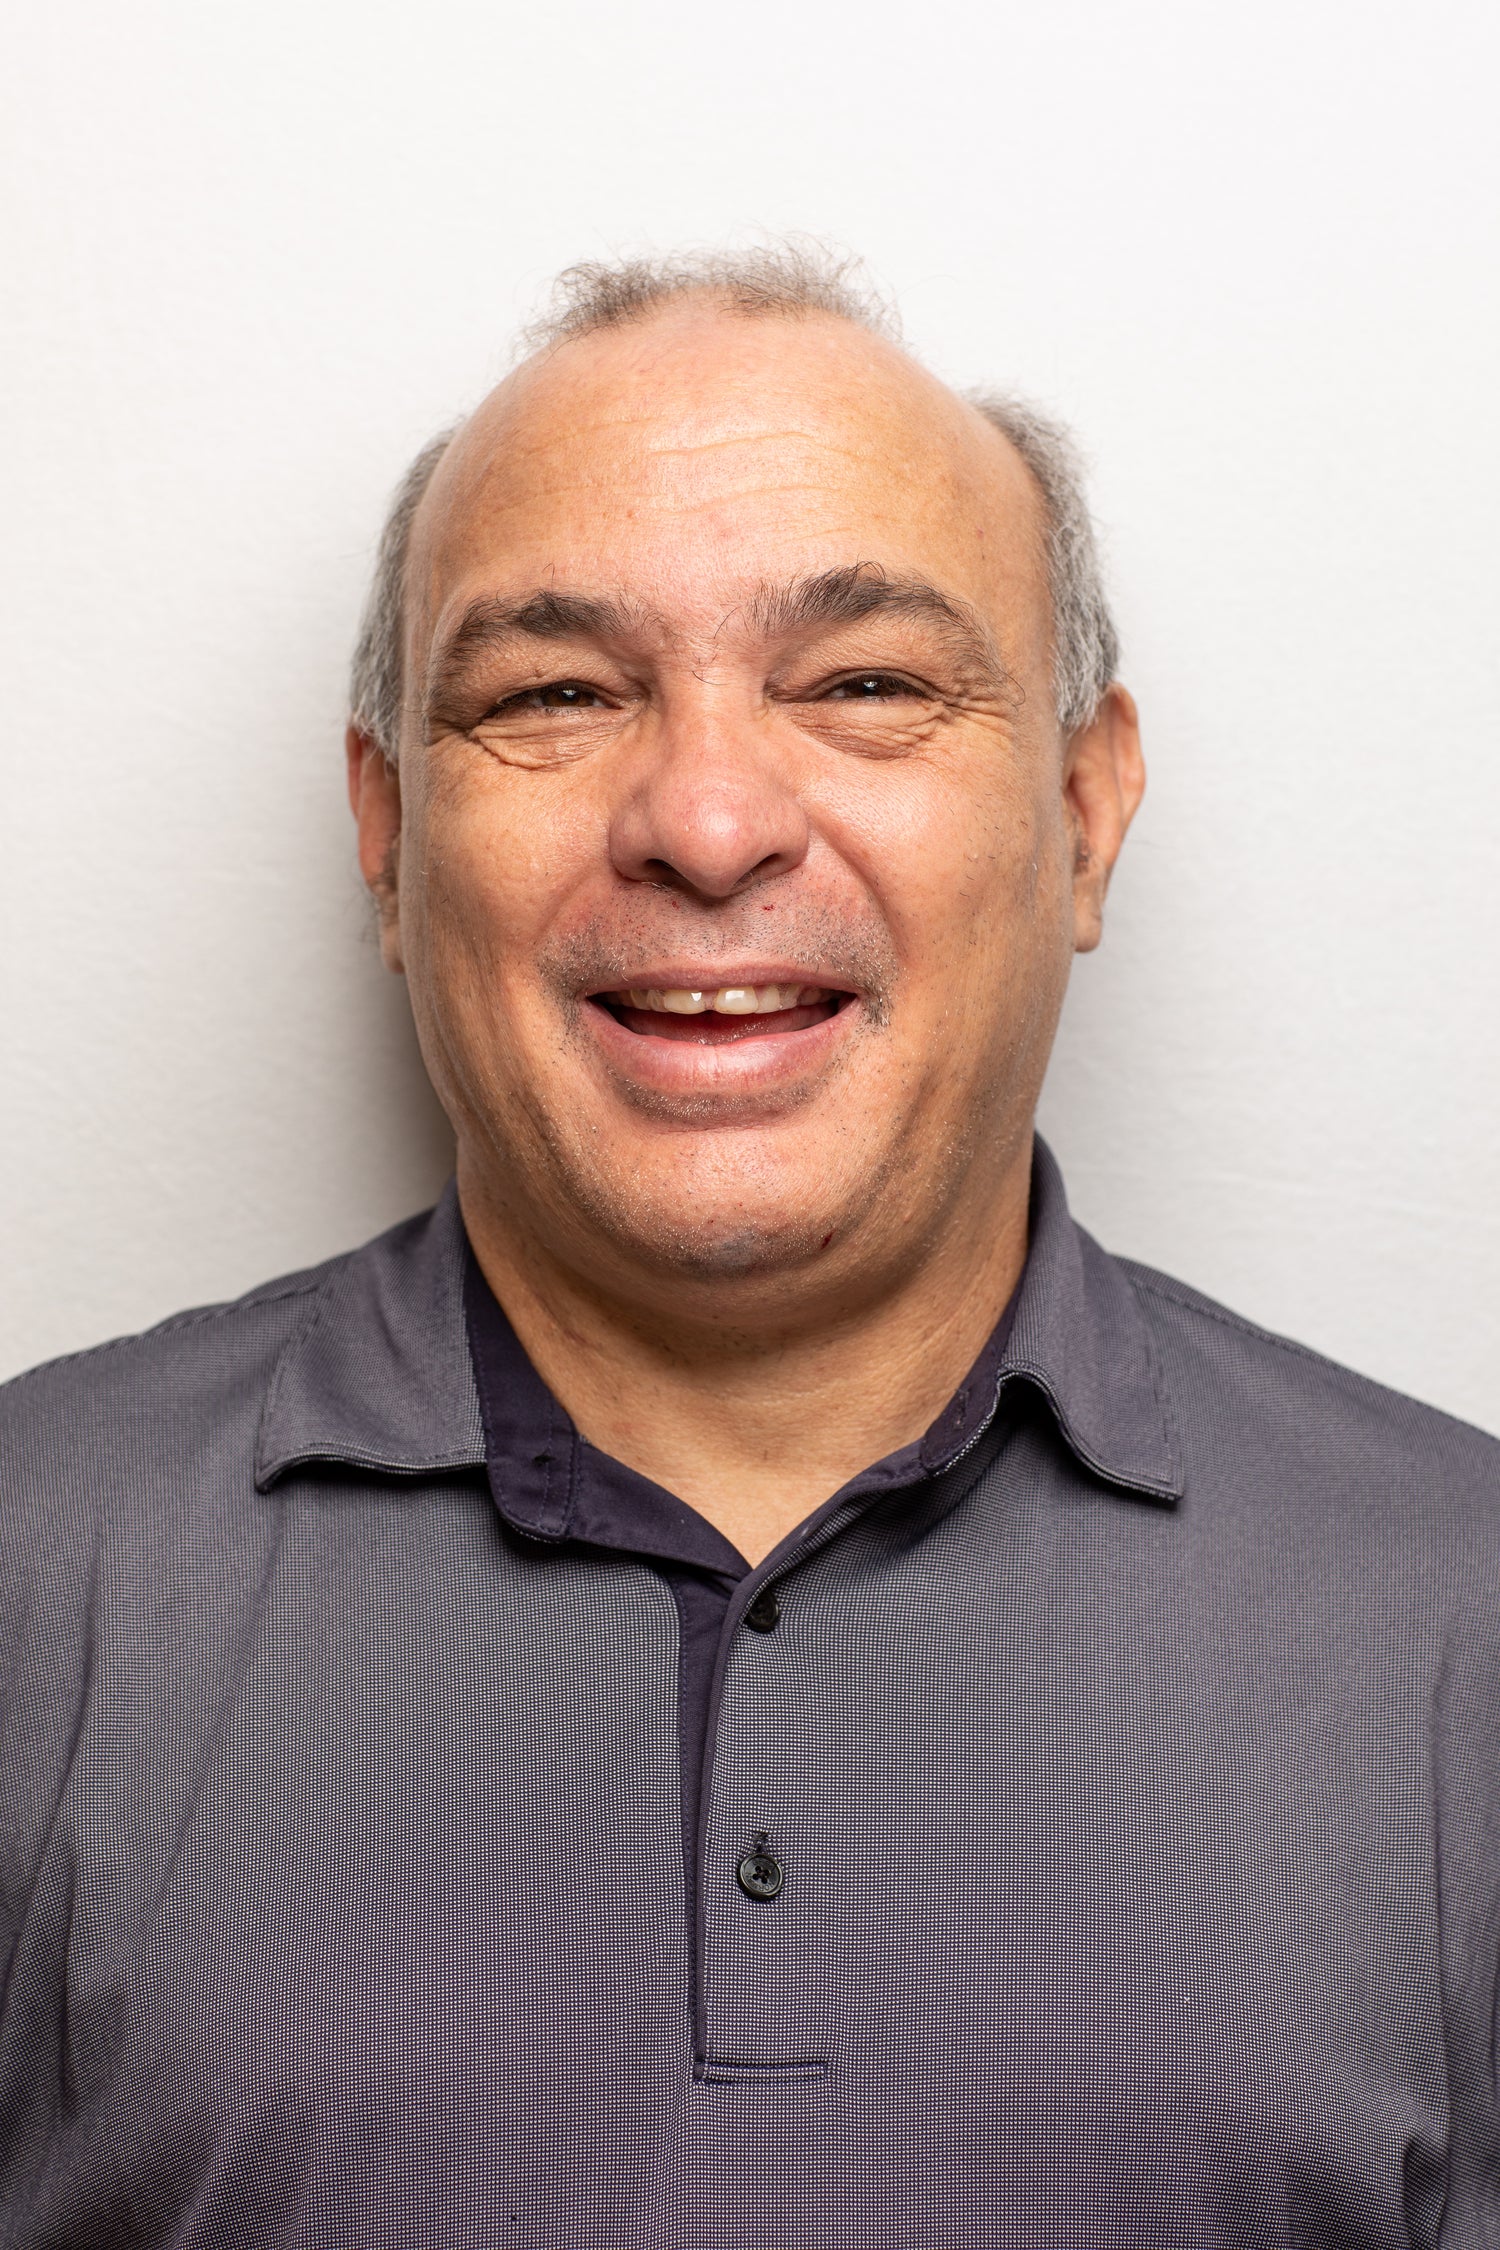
741	1682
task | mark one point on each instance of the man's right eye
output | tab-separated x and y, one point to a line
557	695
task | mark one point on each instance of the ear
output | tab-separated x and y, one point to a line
375	799
1104	779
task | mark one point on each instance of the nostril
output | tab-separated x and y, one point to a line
708	825
703	881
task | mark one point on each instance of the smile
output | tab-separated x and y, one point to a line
719	1015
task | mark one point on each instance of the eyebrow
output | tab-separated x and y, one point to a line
493	622
854	591
824	600
847	594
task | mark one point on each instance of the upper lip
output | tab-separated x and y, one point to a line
717	978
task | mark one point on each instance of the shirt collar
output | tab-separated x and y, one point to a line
548	1481
379	1374
1081	1337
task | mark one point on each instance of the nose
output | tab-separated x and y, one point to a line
709	808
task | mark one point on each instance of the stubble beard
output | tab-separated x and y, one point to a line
706	1229
643	1224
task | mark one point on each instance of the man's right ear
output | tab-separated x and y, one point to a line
375	799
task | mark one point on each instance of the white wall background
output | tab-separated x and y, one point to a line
256	249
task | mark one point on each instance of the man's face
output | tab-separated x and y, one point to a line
740	863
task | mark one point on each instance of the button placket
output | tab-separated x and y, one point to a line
759	1872
752	1906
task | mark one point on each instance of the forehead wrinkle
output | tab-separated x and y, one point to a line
522	447
656	445
688	448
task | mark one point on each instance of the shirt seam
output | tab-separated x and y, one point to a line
170	1327
1188	1300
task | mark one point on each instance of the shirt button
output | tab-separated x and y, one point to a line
759	1874
764	1612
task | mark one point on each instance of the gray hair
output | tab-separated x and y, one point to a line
784	279
1085	645
375	675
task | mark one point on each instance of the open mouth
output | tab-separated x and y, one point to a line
714	1018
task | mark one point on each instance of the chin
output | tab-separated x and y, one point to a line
705	1254
704	1246
700	1207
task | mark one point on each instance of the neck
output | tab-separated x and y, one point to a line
756	1414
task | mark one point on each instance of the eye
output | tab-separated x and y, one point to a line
871	687
557	695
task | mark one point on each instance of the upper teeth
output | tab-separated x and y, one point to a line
729	1000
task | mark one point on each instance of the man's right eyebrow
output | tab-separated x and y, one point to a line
496	621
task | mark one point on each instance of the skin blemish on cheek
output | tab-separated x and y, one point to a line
825	1242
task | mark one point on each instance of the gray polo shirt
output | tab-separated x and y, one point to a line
1103	1848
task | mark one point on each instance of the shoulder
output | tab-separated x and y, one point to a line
197	1358
128	1472
125	1483
109	1452
1290	1414
208	1354
110	1424
153	1425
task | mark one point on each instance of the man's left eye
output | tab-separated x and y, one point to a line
872	687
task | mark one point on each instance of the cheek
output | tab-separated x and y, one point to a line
493	865
966	866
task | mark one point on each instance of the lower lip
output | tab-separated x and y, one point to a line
738	1062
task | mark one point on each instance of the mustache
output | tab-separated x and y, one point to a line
610	952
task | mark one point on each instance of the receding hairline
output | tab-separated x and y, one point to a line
716	304
968	417
595	303
708	306
785	279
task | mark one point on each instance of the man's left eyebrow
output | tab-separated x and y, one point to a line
855	591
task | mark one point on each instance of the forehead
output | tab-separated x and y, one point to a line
686	458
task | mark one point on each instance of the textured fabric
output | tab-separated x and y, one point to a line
549	1483
1136	1778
